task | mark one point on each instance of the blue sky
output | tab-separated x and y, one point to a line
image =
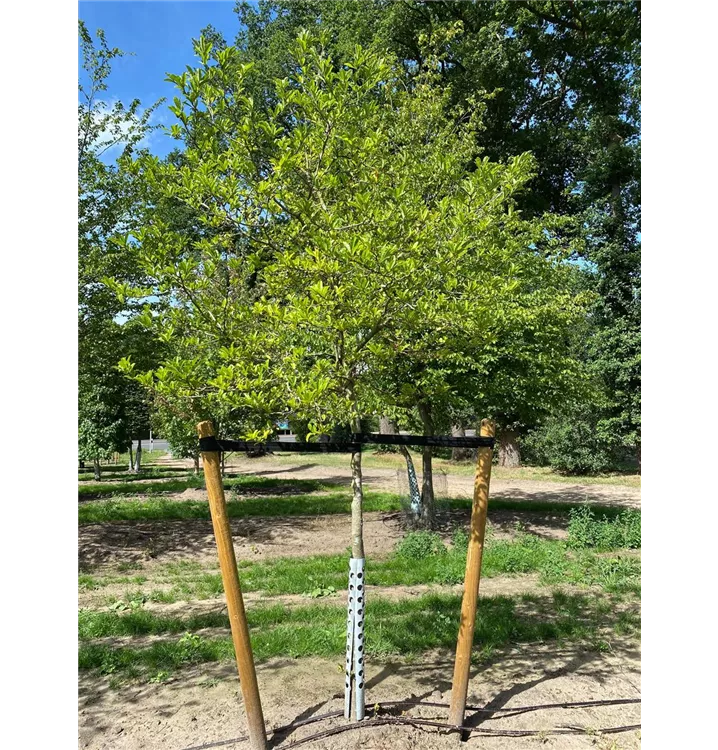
160	35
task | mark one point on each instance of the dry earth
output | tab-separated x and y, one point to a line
205	706
258	538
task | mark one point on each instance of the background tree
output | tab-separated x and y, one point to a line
500	338
107	198
179	431
101	388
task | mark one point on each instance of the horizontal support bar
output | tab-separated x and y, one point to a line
213	445
439	441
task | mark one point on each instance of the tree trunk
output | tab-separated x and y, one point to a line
132	463
460	454
387	426
428	505
509	454
357	502
427	489
96	467
138	457
195	458
356	600
221	462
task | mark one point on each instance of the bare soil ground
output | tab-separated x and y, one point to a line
259	538
205	704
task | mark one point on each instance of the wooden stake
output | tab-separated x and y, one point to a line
465	640
235	604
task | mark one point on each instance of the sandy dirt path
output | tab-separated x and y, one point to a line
204	705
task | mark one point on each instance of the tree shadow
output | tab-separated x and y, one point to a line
106	543
283	733
576	494
549	525
281	470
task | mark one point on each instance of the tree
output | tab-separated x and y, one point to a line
101	424
365	233
499	341
106	198
180	433
106	194
348	225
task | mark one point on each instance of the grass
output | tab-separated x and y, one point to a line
88	582
292	505
553	561
143	622
152	509
528	554
407	627
155	472
135	485
618	574
586	529
148	456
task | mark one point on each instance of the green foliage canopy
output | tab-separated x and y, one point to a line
367	233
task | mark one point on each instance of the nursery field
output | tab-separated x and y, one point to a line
558	618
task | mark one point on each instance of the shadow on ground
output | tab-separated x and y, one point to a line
203	704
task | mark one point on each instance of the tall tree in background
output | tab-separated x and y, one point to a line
109	405
102	419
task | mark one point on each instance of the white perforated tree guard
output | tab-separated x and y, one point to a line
414	493
355	639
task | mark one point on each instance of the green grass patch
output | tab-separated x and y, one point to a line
418	545
420	558
147	472
143	622
244	483
148	457
406	627
552	560
586	529
618	574
155	509
128	509
88	582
